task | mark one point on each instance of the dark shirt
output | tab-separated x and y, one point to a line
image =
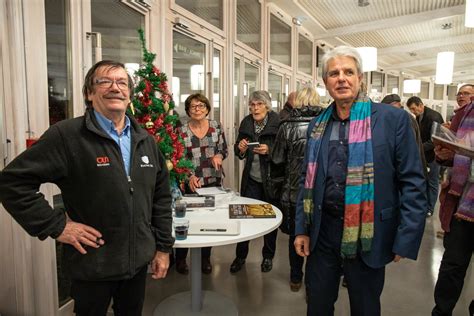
338	155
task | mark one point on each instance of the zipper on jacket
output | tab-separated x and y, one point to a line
130	185
132	230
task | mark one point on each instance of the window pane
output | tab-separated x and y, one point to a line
251	78
305	55
438	92
208	10
274	88
377	78
249	23
452	90
286	91
320	53
425	90
236	94
188	68
216	82
59	94
118	25
392	84
280	41
60	107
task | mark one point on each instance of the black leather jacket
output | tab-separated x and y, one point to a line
289	150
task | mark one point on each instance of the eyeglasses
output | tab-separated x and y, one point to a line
257	105
199	106
463	94
107	83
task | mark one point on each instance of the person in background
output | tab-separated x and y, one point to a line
394	100
109	195
425	118
261	125
362	200
286	111
456	211
463	99
289	150
206	147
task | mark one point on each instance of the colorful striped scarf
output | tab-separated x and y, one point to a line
359	192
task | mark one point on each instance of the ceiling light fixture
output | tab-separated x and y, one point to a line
296	21
469	18
369	58
411	86
444	68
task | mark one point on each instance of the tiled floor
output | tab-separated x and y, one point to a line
408	287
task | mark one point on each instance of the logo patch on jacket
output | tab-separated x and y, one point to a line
103	161
146	162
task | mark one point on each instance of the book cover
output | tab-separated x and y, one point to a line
458	148
251	211
444	137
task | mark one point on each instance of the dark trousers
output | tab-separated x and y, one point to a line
182	253
92	298
458	248
296	262
324	267
432	185
255	190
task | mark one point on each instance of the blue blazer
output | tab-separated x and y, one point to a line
400	201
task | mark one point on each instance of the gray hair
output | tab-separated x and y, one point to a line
263	96
466	85
341	51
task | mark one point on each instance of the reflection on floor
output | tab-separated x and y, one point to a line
408	285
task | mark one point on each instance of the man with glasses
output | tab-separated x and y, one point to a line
463	98
115	188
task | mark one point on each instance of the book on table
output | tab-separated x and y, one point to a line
241	211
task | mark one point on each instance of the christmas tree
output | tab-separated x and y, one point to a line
153	108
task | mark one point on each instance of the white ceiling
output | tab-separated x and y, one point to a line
407	33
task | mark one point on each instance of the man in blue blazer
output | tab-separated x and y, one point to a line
362	203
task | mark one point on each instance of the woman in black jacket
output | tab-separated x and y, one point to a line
261	125
289	150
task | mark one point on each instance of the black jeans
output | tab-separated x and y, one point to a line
458	248
255	190
296	262
324	267
92	298
182	253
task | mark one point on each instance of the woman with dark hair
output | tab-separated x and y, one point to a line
206	147
261	125
289	150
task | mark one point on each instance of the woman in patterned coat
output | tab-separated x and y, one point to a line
206	147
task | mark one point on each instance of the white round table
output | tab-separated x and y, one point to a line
212	303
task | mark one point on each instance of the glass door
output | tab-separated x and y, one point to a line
275	88
114	33
189	70
246	80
